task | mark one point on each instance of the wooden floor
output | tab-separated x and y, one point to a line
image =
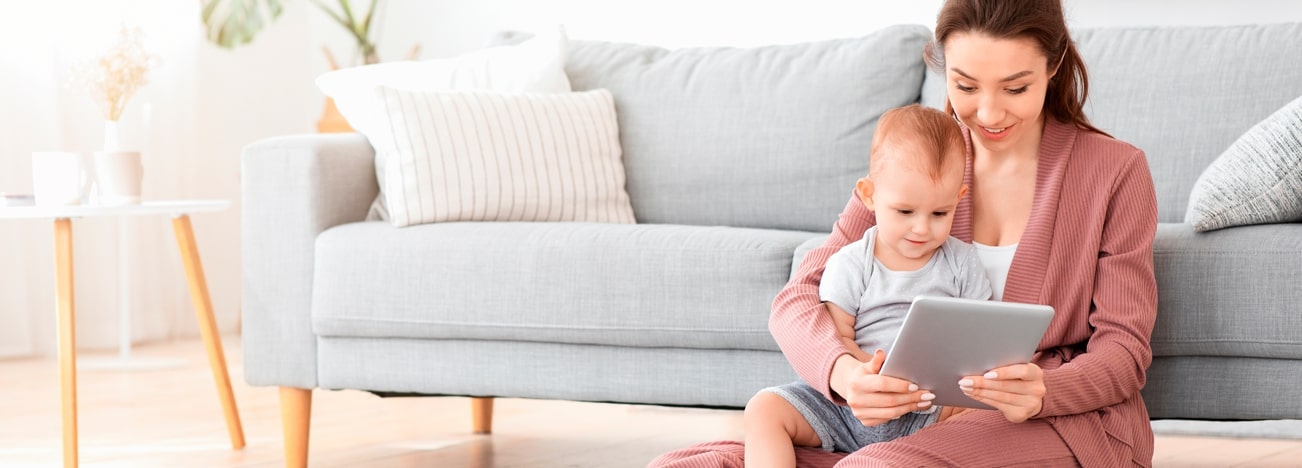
172	418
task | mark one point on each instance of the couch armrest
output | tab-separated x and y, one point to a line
293	188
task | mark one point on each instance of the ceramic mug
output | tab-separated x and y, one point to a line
60	178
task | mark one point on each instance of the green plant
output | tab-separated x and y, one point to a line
231	23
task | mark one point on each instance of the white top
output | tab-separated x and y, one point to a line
996	260
160	207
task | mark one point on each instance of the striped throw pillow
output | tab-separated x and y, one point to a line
485	156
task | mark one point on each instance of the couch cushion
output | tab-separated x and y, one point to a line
1233	292
532	66
630	285
804	248
767	137
1183	95
525	369
1257	180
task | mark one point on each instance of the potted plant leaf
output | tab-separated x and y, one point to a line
231	23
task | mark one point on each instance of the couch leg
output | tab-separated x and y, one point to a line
481	410
295	420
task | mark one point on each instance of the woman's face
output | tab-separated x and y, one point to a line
997	88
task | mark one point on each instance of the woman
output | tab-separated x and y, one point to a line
1078	209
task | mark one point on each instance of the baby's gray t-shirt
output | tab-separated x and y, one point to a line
879	298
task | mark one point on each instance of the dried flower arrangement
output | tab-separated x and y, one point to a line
114	77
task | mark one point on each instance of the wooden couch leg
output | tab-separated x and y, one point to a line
481	410
295	420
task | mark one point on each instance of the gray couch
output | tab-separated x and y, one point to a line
738	161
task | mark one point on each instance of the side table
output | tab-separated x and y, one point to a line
179	210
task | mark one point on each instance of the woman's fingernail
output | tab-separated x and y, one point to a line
928	396
965	383
913	387
966	390
924	404
991	375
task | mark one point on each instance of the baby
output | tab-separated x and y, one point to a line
914	184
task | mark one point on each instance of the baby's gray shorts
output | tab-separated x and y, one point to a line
836	425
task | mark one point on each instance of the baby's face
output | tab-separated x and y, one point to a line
914	213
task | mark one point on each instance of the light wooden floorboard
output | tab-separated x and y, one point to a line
173	418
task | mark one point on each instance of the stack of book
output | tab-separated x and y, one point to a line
17	199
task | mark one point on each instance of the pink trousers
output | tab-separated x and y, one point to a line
976	439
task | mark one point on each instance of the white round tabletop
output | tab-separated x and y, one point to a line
159	207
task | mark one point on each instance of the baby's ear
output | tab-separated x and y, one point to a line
962	191
864	190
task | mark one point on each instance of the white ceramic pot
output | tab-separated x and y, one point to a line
118	175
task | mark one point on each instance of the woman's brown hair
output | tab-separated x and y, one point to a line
1039	20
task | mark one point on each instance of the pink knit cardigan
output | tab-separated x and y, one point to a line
1087	251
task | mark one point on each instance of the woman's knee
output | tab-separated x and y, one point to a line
724	454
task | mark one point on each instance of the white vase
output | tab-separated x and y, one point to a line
111	141
118	174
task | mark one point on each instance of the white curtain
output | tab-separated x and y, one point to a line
39	46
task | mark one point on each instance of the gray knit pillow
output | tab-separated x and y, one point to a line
1258	180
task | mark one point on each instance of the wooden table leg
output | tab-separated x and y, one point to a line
208	326
67	337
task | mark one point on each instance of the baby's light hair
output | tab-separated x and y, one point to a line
933	133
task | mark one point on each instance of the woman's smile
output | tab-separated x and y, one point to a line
994	133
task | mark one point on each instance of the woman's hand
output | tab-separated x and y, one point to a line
874	398
1016	390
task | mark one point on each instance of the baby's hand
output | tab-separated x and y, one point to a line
875	399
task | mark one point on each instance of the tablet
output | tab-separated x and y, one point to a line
945	338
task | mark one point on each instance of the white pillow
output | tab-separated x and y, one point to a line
484	156
536	65
533	66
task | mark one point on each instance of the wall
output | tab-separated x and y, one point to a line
448	27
